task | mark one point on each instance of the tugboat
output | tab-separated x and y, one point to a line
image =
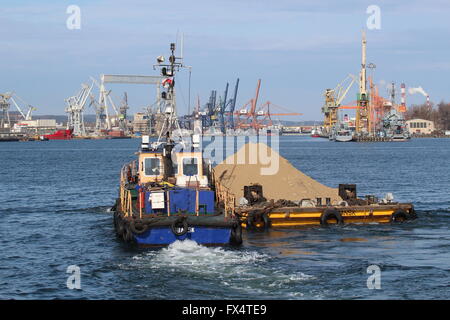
168	193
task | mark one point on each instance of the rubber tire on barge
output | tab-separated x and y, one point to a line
331	214
401	215
255	217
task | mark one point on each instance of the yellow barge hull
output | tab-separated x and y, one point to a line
291	217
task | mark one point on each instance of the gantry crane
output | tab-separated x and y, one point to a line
215	112
258	119
232	104
248	118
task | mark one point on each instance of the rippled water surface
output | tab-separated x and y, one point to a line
54	212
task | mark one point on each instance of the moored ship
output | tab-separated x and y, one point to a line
59	135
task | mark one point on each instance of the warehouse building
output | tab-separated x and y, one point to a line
420	126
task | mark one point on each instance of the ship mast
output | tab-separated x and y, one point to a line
168	96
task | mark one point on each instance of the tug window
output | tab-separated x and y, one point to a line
152	166
190	166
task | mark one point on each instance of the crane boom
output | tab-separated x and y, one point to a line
233	105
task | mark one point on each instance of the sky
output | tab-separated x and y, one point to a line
298	48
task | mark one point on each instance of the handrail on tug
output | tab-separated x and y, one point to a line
127	175
225	196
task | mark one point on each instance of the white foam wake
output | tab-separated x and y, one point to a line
190	254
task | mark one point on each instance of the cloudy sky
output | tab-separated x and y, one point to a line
297	47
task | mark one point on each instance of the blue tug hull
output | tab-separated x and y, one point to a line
159	236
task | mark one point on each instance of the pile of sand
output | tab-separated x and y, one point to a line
245	168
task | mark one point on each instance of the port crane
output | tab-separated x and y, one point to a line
251	117
333	100
221	110
5	105
209	112
232	104
5	121
123	114
75	110
26	116
103	119
215	112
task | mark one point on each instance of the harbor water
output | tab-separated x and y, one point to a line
55	212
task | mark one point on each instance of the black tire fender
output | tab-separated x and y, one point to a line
180	223
119	225
127	234
254	216
250	219
266	221
331	214
399	215
236	234
138	227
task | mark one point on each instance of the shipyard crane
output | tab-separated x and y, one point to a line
5	121
333	100
258	118
248	118
123	114
219	111
75	109
102	120
264	114
26	116
5	106
232	104
209	115
223	105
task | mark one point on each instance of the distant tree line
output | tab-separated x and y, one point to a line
440	115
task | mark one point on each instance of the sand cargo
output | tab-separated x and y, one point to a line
290	198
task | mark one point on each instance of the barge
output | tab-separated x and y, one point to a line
290	214
290	199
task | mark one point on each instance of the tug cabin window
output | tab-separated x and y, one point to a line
152	166
190	166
